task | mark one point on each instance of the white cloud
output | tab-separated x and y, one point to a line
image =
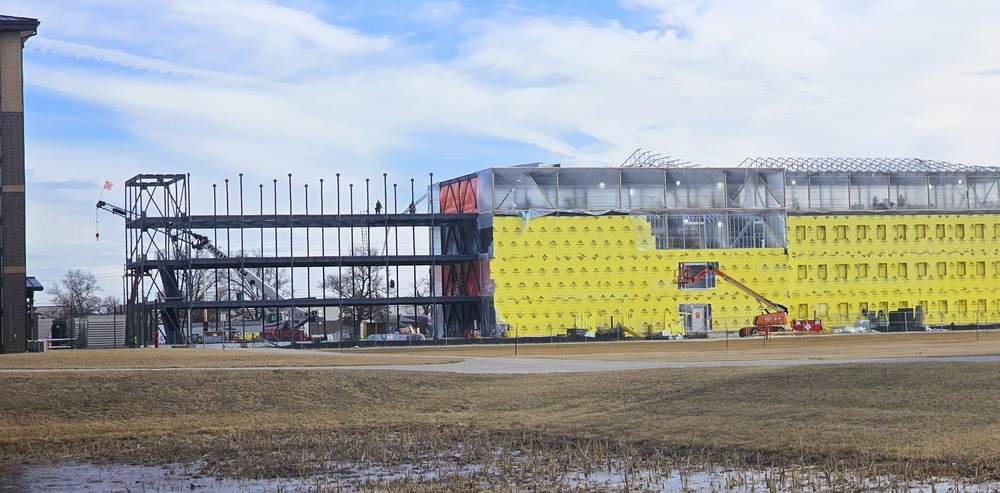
263	88
437	12
267	40
117	57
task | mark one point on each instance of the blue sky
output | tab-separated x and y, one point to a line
114	88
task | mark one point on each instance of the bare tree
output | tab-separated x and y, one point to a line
277	279
231	285
109	305
422	289
359	282
76	295
200	288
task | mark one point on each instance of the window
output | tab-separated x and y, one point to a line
803	272
900	231
963	307
803	311
880	231
996	231
862	231
821	233
883	270
883	308
921	269
821	271
981	268
692	275
942	269
920	231
841	271
843	309
979	231
863	271
943	306
800	233
939	230
960	269
960	231
841	232
901	270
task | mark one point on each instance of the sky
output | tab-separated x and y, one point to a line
216	88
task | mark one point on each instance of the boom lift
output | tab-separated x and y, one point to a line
775	317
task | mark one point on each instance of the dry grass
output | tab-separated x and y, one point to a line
206	358
749	349
894	345
933	414
926	418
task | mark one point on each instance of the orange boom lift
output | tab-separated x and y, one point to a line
775	317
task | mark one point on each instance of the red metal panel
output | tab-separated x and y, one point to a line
461	279
459	196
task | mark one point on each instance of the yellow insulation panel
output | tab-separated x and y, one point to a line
558	272
554	273
946	263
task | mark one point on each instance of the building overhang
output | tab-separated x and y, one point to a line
27	27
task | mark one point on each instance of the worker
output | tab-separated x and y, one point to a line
412	209
378	207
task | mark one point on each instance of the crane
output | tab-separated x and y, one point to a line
201	242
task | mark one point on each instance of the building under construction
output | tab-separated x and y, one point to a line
538	250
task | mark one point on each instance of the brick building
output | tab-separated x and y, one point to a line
14	319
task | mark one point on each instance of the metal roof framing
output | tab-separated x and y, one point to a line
863	165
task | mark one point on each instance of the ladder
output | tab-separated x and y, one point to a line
364	236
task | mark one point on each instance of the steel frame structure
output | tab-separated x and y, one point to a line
160	281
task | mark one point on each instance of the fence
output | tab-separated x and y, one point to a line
905	320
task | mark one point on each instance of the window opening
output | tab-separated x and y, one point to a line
692	268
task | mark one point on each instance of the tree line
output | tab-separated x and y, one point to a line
77	294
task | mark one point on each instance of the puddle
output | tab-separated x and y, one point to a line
79	477
75	477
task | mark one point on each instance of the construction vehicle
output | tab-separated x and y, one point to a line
775	316
618	331
286	331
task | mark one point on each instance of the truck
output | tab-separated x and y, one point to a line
295	330
775	316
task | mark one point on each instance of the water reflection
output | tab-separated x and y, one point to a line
72	477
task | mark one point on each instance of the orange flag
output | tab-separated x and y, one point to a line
107	185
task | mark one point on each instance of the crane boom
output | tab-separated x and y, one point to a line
686	277
201	242
118	211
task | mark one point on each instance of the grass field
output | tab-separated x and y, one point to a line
204	358
916	419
